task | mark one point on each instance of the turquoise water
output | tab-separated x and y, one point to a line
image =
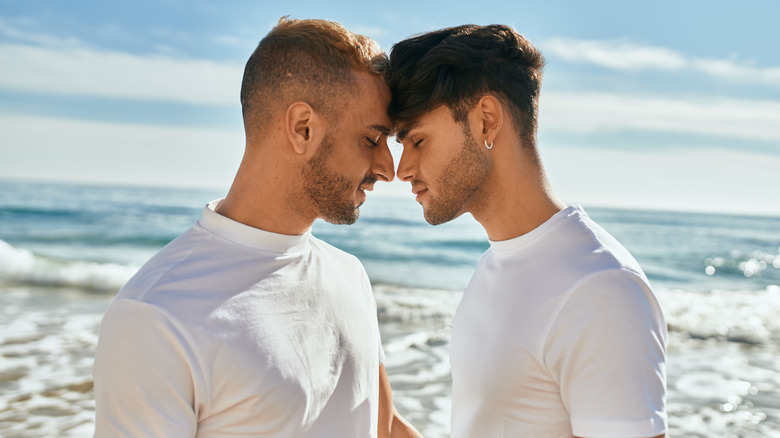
66	249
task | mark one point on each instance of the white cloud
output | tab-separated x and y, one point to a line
706	179
627	56
617	55
13	29
233	41
608	112
88	72
730	70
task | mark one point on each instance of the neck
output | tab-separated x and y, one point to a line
262	197
517	197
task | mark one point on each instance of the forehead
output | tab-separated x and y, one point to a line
372	99
437	118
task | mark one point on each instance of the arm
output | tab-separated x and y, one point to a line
142	374
607	349
391	424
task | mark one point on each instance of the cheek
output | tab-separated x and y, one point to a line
432	163
357	163
365	158
352	155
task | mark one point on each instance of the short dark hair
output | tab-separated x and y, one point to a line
459	65
308	60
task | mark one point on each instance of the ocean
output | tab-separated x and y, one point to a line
65	250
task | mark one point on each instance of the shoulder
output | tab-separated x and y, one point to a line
128	317
610	316
597	249
337	254
341	267
611	289
133	331
610	304
615	280
179	250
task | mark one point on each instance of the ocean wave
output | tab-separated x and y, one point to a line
98	239
737	316
21	266
415	306
746	317
45	212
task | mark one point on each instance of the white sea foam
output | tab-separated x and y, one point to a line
415	306
15	262
19	265
47	343
721	366
749	317
415	325
722	360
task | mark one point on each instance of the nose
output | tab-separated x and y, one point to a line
406	166
383	166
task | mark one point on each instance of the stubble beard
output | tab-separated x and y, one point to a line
462	176
329	192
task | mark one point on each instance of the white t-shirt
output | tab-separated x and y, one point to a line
559	334
234	331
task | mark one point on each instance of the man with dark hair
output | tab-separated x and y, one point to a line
558	333
247	325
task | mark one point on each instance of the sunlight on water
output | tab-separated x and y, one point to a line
65	252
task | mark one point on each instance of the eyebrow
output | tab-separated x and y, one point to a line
384	130
401	135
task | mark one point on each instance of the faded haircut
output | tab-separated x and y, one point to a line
306	60
459	65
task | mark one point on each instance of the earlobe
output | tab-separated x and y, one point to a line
491	113
302	124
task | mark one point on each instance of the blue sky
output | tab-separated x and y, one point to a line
672	105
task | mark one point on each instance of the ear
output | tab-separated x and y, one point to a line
304	127
489	115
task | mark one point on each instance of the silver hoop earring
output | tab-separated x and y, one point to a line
488	146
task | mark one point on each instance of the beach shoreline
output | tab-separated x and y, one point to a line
46	359
65	251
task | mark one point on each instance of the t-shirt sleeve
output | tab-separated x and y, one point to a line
142	373
369	294
607	350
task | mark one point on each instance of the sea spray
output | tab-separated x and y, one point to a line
21	266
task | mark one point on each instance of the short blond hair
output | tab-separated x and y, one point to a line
306	60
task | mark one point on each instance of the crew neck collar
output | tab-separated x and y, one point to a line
536	233
245	235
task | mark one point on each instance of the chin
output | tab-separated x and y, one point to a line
343	217
440	214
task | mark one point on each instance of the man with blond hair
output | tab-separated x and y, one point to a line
246	324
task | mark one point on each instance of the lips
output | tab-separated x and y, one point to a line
418	186
419	189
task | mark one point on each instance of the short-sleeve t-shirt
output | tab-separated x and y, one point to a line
559	334
234	331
